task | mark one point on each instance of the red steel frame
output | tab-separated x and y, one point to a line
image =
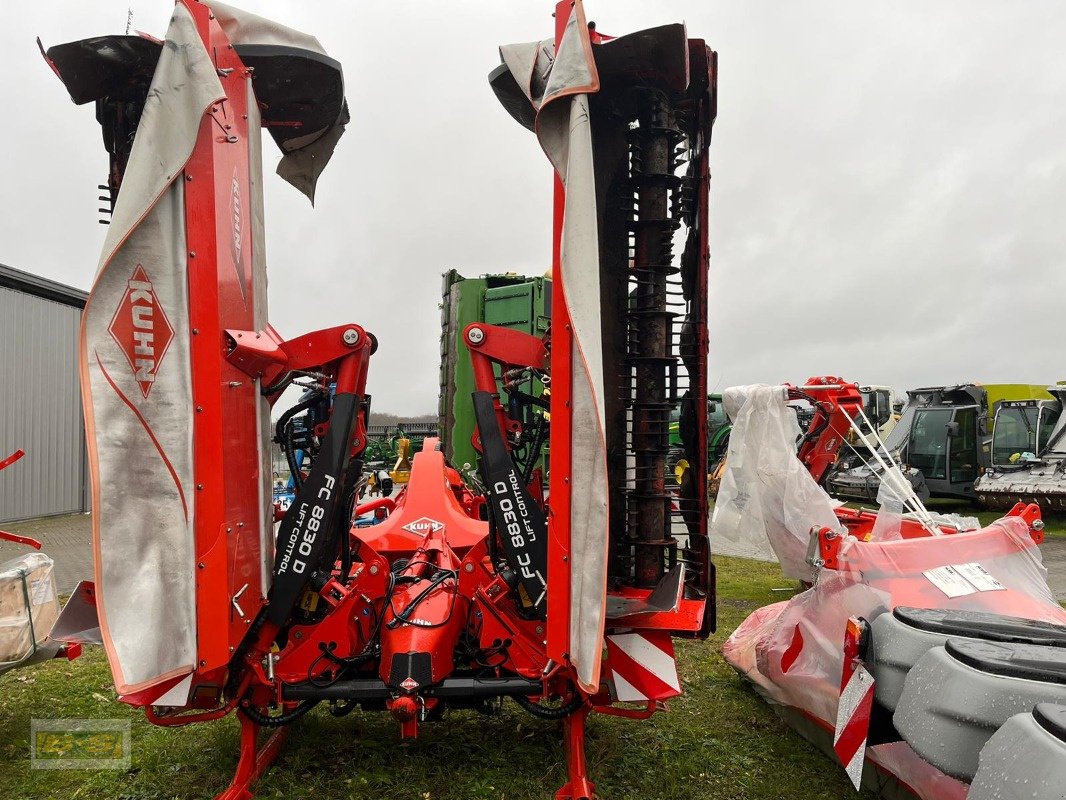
691	617
224	398
508	348
14	537
559	437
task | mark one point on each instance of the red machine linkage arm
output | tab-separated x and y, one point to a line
14	537
264	354
11	459
835	403
491	344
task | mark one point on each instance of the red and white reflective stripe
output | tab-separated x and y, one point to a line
853	723
642	667
856	703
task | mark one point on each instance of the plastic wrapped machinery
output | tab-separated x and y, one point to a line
29	607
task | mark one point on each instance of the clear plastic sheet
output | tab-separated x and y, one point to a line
793	650
892	512
889	516
956	521
768	501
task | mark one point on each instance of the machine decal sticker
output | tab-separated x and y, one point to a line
141	329
519	522
308	536
980	577
236	220
423	526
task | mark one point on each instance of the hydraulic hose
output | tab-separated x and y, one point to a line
546	712
283	420
281	720
278	385
290	457
534	451
283	435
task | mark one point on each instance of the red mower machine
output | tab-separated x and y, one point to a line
563	596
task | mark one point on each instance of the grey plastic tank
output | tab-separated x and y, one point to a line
1026	759
958	695
899	639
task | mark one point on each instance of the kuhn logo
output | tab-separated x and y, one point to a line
237	223
423	526
141	329
409	684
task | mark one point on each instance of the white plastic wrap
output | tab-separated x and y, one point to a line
893	511
793	650
29	606
768	501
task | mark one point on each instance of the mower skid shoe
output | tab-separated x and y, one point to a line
253	761
578	787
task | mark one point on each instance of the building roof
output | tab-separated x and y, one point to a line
11	278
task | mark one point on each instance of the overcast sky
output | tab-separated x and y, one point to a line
887	200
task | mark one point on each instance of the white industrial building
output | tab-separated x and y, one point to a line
40	400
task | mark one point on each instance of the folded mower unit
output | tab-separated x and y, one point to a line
469	589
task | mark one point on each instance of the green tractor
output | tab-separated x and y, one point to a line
718	428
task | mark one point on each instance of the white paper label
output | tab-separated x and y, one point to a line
959	580
979	577
41	592
949	581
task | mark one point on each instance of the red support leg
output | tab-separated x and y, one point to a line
253	762
578	787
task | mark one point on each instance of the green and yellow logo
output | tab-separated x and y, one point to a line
80	743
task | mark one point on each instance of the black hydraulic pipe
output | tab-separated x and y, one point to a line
485	687
374	689
366	689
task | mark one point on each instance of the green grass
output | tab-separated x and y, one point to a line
719	740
